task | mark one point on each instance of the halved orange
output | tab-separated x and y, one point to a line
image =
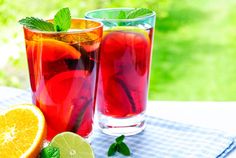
22	131
51	50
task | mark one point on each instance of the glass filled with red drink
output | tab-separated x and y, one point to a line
125	59
63	68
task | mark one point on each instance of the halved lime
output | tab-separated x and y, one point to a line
72	145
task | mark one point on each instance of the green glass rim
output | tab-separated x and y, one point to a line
100	24
153	14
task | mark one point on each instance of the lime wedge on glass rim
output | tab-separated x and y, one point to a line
131	29
72	145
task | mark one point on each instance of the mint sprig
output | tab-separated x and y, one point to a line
112	149
138	12
134	13
36	24
122	15
61	22
119	146
50	152
120	139
123	149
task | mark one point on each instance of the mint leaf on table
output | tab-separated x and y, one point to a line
50	152
119	146
37	24
120	139
123	149
62	20
112	149
138	12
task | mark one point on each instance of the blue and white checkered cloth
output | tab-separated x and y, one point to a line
160	139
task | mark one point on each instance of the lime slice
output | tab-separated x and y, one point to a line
72	145
131	29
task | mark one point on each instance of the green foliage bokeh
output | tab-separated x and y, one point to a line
194	48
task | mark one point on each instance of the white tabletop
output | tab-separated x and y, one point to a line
215	115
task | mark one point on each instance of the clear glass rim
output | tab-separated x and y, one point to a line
71	32
119	20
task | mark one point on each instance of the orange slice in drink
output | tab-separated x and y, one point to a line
127	46
91	47
22	131
66	85
60	96
122	39
113	45
51	50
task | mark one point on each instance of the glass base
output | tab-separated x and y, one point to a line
121	126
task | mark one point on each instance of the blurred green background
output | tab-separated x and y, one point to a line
194	56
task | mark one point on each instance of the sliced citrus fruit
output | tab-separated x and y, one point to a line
51	50
120	40
91	47
63	96
131	29
72	145
22	131
120	104
113	46
126	48
67	85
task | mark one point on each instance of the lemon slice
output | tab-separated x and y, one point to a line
72	145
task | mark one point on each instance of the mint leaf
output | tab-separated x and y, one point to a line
120	139
50	152
36	24
122	15
112	149
138	12
119	146
123	149
62	20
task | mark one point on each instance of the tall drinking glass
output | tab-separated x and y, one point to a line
125	59
63	68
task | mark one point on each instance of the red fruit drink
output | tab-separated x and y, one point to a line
124	68
63	72
124	71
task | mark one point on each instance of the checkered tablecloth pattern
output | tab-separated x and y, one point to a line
160	139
